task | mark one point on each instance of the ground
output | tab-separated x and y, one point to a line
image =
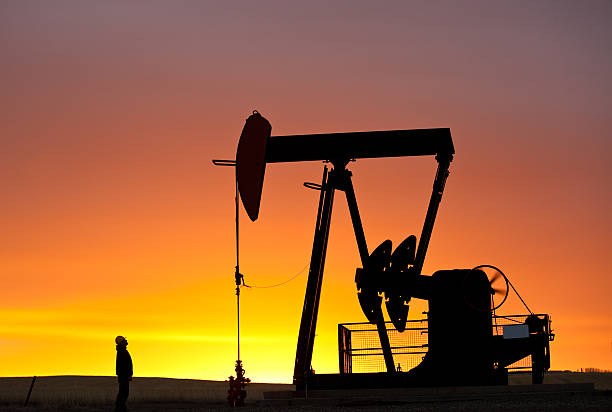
96	393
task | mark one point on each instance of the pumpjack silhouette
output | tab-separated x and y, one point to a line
464	346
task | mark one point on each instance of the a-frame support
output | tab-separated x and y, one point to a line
338	178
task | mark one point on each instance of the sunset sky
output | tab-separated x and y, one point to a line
114	220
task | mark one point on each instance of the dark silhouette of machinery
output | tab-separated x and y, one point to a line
462	347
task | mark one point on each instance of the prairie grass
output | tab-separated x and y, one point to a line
601	380
97	393
82	391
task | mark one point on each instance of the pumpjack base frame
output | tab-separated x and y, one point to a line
574	393
375	380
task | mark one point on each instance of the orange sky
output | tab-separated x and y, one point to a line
114	221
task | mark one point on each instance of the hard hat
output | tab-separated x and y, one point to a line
119	339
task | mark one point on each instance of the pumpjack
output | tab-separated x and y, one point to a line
462	347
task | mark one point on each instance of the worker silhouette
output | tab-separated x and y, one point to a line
124	373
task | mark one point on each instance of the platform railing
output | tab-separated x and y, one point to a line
360	352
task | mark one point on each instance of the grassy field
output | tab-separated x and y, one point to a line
602	380
96	393
92	391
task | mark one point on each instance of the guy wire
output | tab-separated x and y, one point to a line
517	294
281	283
